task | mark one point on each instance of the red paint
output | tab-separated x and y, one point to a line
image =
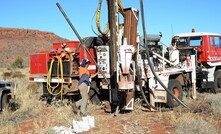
70	44
208	48
38	63
188	61
93	53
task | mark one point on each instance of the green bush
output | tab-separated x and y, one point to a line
18	63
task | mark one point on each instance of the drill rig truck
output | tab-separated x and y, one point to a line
130	66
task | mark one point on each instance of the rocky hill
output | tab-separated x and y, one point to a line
16	43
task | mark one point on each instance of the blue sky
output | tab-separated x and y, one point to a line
167	16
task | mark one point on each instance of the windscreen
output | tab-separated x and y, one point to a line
195	41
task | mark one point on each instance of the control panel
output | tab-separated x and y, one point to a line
103	60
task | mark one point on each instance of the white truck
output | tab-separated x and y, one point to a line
7	92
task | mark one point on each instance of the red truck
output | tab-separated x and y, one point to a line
207	47
57	70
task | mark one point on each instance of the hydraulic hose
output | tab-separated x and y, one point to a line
98	13
143	94
98	20
141	88
52	88
148	58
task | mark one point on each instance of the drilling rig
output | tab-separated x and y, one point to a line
130	66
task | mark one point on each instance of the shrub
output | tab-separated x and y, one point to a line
18	63
12	74
191	124
18	74
212	104
6	75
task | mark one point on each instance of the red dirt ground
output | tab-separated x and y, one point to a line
134	122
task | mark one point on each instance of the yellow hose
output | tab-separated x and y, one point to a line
52	88
120	6
98	20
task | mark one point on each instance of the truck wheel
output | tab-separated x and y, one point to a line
94	94
217	82
5	101
92	41
175	87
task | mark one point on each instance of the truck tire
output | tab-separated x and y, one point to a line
5	101
94	94
217	82
92	41
175	87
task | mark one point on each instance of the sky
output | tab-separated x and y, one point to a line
169	17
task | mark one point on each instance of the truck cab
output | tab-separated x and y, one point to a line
207	47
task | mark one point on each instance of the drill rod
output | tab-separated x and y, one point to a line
80	39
